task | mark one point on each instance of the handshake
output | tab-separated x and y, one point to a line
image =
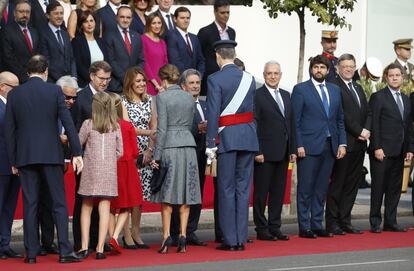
365	134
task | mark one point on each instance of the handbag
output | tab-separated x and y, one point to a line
158	177
140	161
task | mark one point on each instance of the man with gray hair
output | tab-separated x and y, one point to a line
190	81
277	147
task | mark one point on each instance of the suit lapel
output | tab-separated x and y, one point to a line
270	98
316	96
393	102
122	41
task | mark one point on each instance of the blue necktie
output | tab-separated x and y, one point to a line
324	99
60	40
170	25
399	104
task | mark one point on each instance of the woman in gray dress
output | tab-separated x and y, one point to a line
175	151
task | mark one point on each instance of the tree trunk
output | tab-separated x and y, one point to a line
3	4
302	34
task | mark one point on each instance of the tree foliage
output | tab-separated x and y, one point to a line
326	11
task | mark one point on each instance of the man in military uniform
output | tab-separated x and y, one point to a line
402	48
231	133
328	42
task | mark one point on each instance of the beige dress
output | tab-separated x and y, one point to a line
99	176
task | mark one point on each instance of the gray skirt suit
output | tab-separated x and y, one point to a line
175	148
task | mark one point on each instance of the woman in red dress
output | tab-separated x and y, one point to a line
128	178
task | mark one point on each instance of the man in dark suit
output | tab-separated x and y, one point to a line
55	44
125	48
230	119
347	172
277	147
208	35
320	138
391	143
100	74
9	183
328	42
38	18
164	9
184	49
107	16
190	81
35	152
19	41
8	15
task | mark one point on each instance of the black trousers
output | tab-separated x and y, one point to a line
386	184
76	228
31	177
46	224
195	210
343	189
269	186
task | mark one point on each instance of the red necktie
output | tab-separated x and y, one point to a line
127	42
29	43
5	14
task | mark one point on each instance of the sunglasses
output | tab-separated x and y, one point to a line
67	98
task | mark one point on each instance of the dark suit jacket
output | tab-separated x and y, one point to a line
38	18
167	31
10	16
5	168
390	132
83	57
82	109
275	132
356	117
207	36
312	121
61	60
15	51
137	25
179	55
108	19
32	114
118	56
199	138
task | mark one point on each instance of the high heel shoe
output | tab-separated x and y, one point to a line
126	246
116	249
140	246
182	245
164	247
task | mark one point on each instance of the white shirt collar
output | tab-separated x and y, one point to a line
316	83
270	88
122	30
346	81
221	30
394	91
113	7
54	28
181	31
92	89
164	14
3	99
404	64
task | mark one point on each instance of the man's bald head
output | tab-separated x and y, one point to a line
7	82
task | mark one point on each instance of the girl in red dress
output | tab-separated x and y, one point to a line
128	178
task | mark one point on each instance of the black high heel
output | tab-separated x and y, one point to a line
164	247
126	246
83	254
182	245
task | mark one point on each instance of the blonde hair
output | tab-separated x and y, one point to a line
95	7
117	104
104	117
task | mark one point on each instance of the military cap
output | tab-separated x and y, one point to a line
329	34
224	44
403	43
374	66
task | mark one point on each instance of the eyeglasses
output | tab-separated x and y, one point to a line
107	79
67	98
10	86
347	66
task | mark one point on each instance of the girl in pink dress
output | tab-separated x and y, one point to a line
102	140
155	52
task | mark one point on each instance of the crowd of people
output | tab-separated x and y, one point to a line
140	107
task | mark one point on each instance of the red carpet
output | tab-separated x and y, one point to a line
259	249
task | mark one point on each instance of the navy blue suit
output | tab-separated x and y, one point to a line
137	25
236	149
61	59
320	135
34	147
118	56
108	19
179	55
9	188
